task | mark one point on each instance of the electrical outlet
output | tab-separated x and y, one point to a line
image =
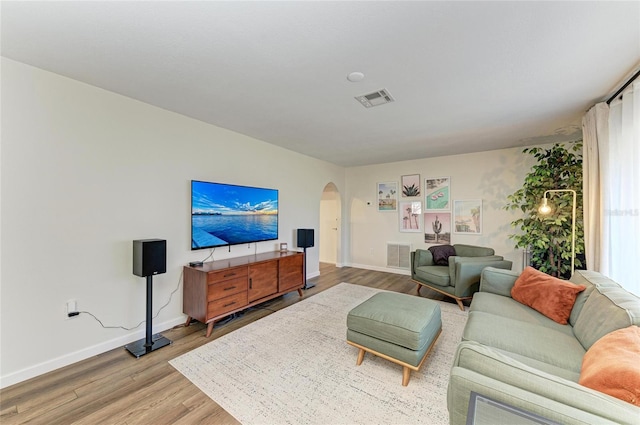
71	308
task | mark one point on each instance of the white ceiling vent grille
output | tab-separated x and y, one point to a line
398	255
376	98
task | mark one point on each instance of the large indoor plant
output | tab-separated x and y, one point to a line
549	237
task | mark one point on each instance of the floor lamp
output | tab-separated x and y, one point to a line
546	209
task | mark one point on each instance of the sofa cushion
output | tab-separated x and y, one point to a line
582	277
441	254
498	281
612	365
511	309
437	275
558	371
608	308
550	296
526	339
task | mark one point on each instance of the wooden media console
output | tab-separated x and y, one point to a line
223	287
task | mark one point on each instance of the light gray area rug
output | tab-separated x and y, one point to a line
295	367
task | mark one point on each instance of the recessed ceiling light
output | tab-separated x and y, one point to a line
354	77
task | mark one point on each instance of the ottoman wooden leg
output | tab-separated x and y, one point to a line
360	357
406	374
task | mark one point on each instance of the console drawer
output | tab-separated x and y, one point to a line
226	304
222	275
227	288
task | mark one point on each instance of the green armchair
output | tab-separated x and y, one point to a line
461	277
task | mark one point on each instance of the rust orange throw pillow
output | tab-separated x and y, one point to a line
550	296
612	365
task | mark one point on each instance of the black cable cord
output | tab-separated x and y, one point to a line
225	321
139	324
238	315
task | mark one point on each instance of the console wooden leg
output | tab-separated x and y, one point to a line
360	357
188	322
209	329
300	292
406	374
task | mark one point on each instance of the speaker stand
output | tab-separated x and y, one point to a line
151	342
306	284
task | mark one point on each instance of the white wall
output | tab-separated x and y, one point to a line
86	171
490	176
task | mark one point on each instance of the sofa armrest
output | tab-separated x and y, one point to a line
465	272
463	381
508	374
498	281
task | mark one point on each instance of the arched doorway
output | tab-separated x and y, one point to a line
330	226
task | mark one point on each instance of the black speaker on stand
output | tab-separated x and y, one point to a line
149	258
305	240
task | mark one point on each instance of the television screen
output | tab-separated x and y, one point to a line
225	214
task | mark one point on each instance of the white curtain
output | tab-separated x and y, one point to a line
622	191
595	134
611	165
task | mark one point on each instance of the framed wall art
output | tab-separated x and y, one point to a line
437	193
467	216
410	185
387	196
437	228
410	216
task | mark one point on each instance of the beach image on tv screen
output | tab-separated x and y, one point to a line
223	214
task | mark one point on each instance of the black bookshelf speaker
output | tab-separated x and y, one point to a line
149	257
305	238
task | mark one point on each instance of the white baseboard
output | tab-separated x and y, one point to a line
85	353
103	347
381	269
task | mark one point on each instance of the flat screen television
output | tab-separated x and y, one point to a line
225	214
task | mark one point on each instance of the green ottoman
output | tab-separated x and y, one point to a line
398	327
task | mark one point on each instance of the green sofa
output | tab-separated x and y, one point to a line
459	280
515	355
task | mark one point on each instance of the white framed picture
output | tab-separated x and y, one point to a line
410	185
410	213
437	193
437	228
387	196
467	216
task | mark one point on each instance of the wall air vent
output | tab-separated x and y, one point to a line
399	255
376	98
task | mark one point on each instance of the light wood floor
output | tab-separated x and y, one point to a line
116	388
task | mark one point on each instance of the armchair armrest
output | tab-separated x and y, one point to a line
454	260
465	272
498	281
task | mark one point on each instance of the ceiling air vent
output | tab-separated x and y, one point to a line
376	98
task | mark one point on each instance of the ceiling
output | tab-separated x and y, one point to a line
465	76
